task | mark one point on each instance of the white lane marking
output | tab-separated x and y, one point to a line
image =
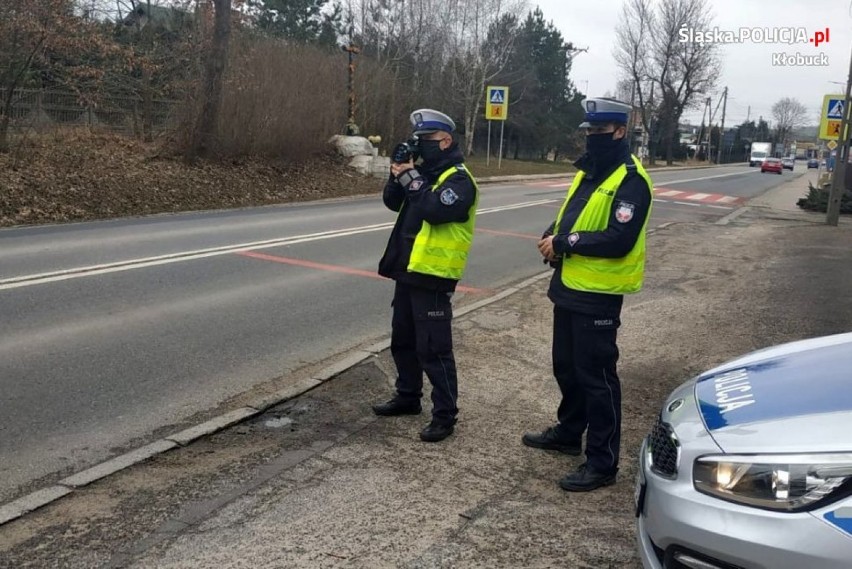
697	197
728	199
669	193
54	276
688	203
720	207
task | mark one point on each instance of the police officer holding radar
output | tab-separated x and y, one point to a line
597	247
426	256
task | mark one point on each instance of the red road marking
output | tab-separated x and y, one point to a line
558	184
509	233
335	268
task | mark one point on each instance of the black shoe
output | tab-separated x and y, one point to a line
550	440
397	406
586	479
435	432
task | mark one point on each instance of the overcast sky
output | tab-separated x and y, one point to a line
747	68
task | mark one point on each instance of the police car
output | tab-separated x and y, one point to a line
750	464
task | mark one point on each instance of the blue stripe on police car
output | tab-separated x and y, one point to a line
841	518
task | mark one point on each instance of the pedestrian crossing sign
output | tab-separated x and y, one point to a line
496	102
831	117
835	109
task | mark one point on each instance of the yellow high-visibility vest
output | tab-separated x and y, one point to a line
441	250
596	274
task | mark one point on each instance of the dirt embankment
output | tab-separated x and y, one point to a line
78	176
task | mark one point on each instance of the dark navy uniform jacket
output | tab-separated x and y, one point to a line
422	204
617	240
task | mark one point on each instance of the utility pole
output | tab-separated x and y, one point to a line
748	115
708	103
838	180
710	131
722	130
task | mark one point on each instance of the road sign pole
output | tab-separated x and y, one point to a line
488	146
496	108
838	181
500	155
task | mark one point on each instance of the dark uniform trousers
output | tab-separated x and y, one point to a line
584	363
421	340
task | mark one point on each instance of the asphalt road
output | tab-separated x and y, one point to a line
114	329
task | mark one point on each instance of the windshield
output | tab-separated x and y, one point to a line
758	154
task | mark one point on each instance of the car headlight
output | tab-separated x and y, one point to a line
775	482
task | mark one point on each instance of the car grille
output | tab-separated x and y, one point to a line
663	445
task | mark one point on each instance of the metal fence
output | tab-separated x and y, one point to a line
48	109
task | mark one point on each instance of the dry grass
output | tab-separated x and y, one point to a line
478	167
280	100
78	175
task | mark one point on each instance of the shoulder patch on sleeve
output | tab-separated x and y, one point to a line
449	197
624	211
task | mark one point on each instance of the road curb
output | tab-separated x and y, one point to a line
25	504
732	216
186	436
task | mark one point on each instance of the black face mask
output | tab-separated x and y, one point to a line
600	145
430	151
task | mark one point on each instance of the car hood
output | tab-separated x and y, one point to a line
794	397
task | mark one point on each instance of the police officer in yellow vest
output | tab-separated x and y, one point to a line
597	247
426	256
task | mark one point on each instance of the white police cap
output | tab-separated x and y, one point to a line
605	110
425	121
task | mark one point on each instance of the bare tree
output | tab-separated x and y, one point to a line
686	70
440	53
632	54
25	30
680	71
788	114
477	56
43	43
624	90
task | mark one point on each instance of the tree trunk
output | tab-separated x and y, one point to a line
668	138
469	122
6	118
147	106
652	148
4	132
214	72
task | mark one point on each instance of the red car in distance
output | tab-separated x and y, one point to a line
772	165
